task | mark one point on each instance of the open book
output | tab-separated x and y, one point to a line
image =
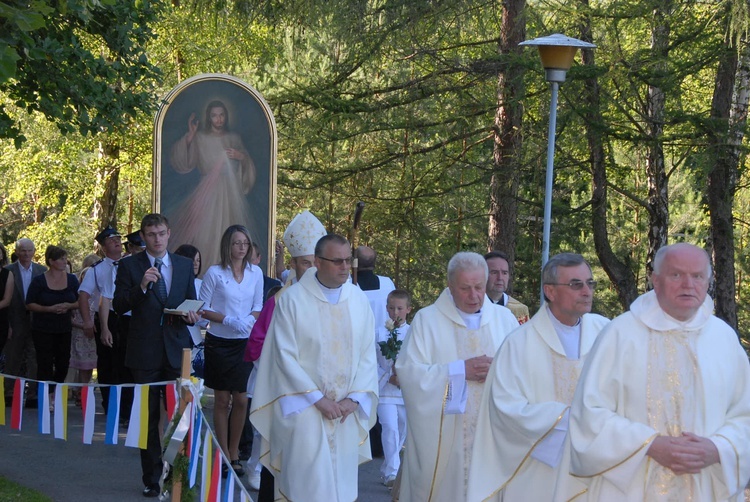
185	307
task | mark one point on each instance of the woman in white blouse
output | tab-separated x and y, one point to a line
233	292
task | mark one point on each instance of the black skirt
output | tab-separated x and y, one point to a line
225	368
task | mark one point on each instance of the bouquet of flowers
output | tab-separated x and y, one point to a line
392	345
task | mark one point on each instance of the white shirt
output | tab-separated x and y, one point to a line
223	294
25	278
100	281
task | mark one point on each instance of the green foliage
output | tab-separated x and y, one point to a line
49	189
387	101
81	64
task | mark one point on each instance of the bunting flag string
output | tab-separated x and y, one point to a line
88	406
170	393
137	435
206	470
215	482
228	490
43	408
201	447
16	417
196	446
111	435
61	412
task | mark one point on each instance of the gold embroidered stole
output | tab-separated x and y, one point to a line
674	387
566	372
335	364
472	343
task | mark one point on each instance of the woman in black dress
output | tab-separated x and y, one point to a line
6	288
51	297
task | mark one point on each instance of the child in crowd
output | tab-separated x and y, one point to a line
391	410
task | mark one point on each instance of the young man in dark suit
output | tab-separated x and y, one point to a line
146	284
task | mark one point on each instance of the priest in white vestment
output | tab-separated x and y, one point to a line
521	449
316	392
442	368
662	410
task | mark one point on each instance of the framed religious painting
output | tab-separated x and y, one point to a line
215	164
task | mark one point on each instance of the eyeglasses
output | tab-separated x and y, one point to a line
575	285
337	261
241	244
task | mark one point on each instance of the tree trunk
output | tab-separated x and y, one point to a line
729	117
507	134
107	205
619	273
658	182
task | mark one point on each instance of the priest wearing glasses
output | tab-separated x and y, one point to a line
316	393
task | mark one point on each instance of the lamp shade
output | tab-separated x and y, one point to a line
557	52
557	57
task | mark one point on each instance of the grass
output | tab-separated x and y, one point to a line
11	492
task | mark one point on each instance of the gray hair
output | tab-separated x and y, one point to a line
662	252
549	272
466	260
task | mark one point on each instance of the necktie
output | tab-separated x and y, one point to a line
161	286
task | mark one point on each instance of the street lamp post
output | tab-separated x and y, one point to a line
557	52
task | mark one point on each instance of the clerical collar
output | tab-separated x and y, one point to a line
332	295
646	308
502	301
570	336
367	280
472	321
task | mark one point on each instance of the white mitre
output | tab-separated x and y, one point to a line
303	232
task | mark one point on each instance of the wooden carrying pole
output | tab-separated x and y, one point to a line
355	227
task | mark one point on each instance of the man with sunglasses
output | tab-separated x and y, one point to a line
662	411
317	391
521	445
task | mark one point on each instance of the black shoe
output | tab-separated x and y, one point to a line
151	491
224	470
237	467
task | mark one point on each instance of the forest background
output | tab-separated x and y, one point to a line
427	110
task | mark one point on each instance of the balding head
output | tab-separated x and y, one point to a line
366	258
681	276
25	250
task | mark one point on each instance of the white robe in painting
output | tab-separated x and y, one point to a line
315	348
522	426
439	439
648	375
219	200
